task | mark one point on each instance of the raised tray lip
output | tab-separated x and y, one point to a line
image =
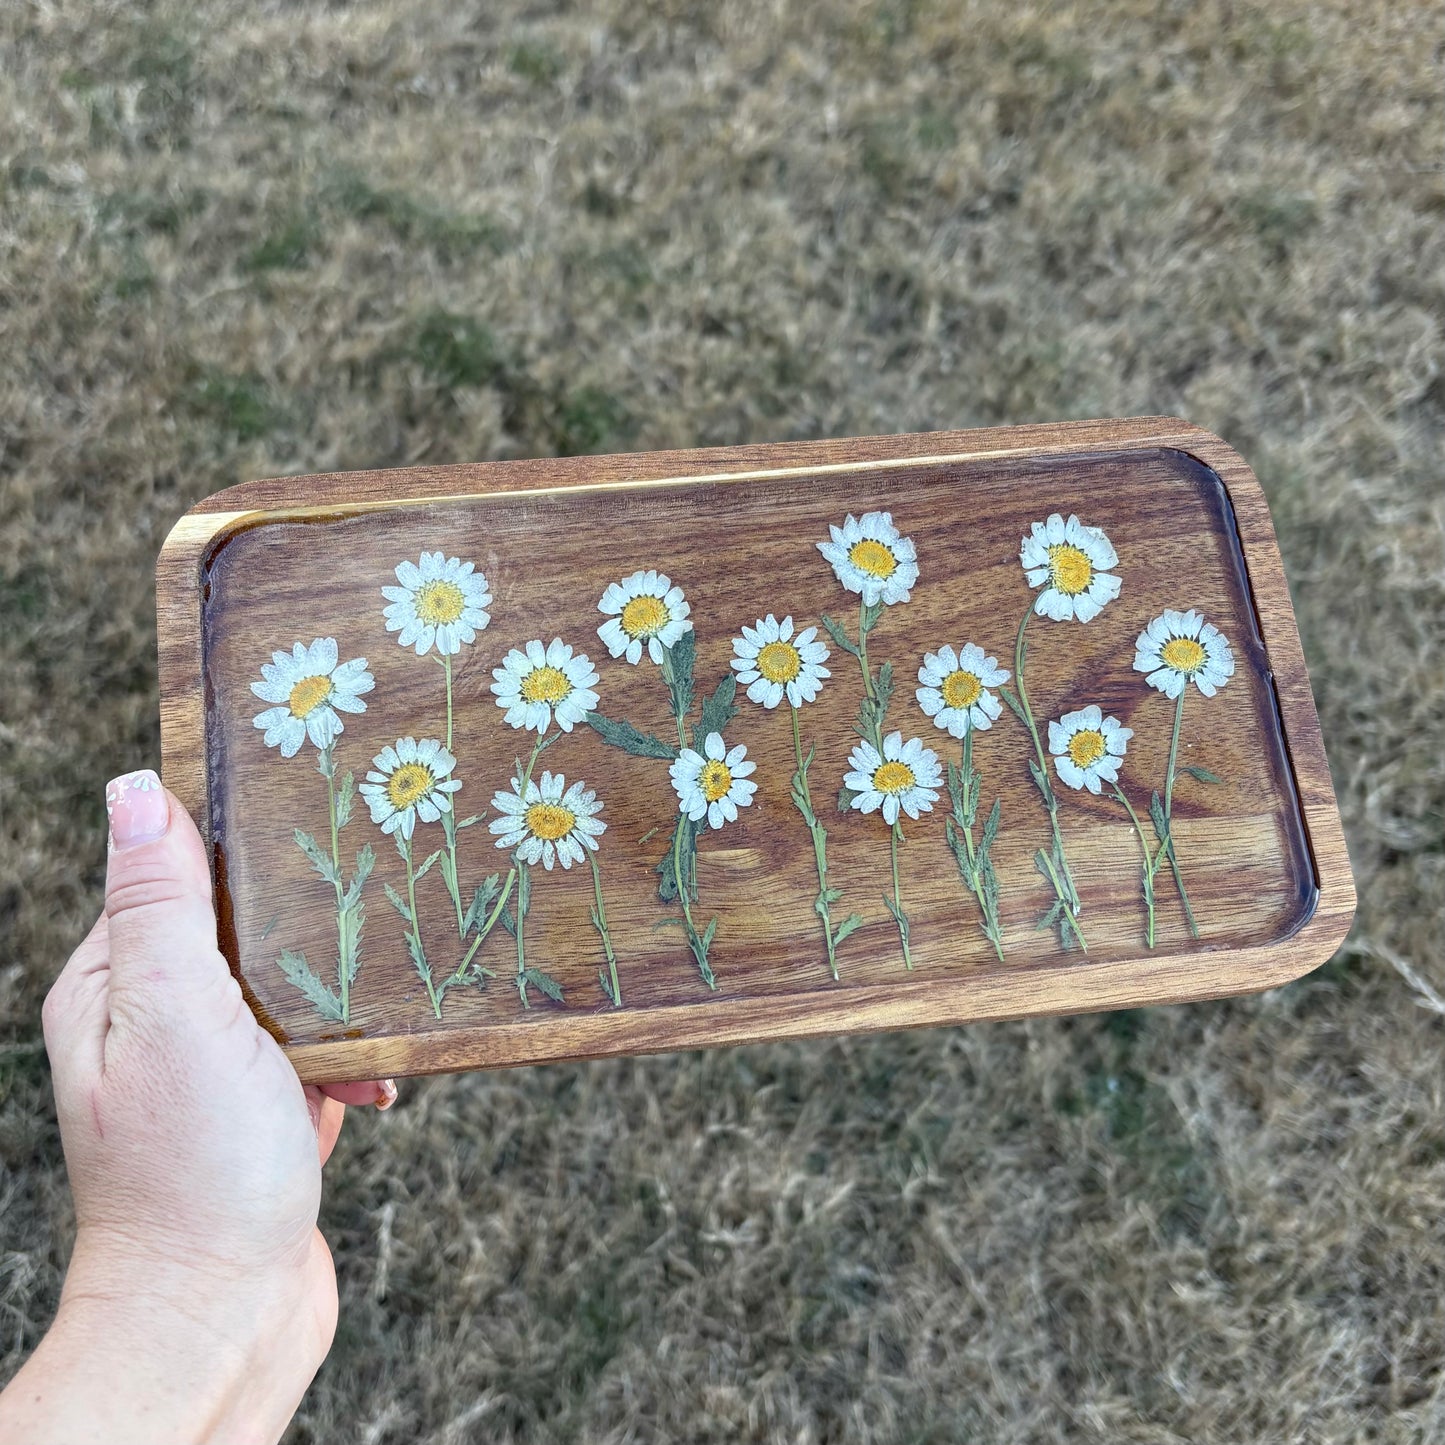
1042	989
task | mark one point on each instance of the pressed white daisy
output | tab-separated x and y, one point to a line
441	603
1087	748
715	782
309	690
905	777
1178	648
643	610
548	822
955	691
410	781
871	558
1071	563
541	683
775	664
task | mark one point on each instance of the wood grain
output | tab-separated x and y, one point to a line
259	566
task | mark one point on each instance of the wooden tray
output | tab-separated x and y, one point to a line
271	565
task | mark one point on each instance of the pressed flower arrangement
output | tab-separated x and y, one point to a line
920	881
438	608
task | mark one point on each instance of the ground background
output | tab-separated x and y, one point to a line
239	239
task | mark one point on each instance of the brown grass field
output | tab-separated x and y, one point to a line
248	238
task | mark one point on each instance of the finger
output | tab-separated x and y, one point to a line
327	1116
161	923
76	1013
381	1092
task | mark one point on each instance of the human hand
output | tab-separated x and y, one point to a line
201	1297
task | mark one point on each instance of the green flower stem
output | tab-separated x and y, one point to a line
343	983
863	650
521	947
447	664
600	919
436	1002
485	929
1168	840
1062	877
965	811
1151	863
820	844
894	834
456	877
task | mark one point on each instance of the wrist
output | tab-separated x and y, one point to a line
172	1351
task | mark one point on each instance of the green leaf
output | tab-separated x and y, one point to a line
851	924
349	924
871	613
421	872
839	636
345	794
1203	774
397	901
846	797
470	822
1015	706
295	967
623	735
418	956
326	761
1041	781
667	883
606	983
1051	917
990	827
365	862
677	669
545	982
1156	816
320	860
485	895
717	710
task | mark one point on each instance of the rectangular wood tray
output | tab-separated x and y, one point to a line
270	567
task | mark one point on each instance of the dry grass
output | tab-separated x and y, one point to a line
237	239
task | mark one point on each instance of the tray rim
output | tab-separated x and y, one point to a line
1063	987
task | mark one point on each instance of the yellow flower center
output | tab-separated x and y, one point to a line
961	689
1086	746
714	780
550	821
780	662
1183	653
1070	569
438	603
308	695
893	777
645	616
545	684
408	783
873	558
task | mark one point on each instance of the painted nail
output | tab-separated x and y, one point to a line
138	809
385	1093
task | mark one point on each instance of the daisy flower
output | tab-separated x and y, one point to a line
441	603
309	691
409	781
1178	648
1087	748
904	777
774	663
643	610
715	782
547	822
543	682
1071	563
871	558
955	691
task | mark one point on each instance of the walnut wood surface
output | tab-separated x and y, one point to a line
262	565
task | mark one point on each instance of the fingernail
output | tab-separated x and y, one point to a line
385	1093
138	809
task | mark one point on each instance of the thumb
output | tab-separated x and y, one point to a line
161	922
